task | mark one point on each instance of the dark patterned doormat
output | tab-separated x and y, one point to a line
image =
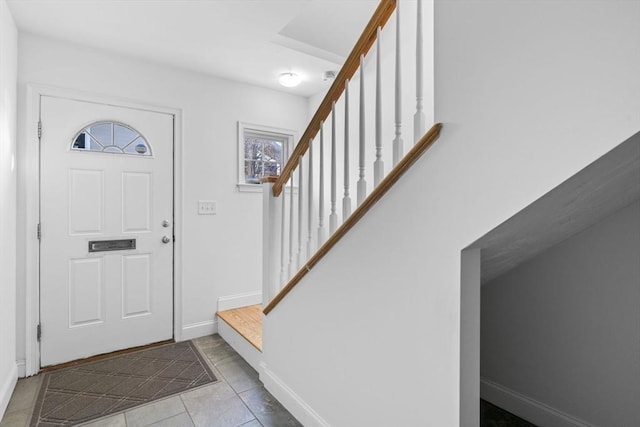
84	392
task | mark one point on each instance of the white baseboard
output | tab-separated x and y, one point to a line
200	329
239	300
290	400
6	388
525	407
22	368
252	355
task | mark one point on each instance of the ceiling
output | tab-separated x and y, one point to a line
250	41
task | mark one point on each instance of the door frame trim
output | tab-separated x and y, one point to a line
31	177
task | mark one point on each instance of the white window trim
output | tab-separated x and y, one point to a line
289	136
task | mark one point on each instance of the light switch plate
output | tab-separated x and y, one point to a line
206	207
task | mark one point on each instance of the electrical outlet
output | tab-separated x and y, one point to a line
206	207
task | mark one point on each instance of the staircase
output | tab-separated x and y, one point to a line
381	327
308	208
300	215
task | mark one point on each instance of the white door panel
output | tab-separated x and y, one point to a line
136	285
136	202
97	302
86	291
86	201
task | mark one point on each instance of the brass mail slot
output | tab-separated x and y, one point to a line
111	245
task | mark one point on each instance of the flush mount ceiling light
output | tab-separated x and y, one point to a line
289	79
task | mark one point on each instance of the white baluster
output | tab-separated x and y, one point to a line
310	200
333	217
362	183
378	165
271	229
398	150
300	222
292	267
321	231
346	199
419	120
283	196
283	270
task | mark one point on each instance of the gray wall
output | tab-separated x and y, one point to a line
564	328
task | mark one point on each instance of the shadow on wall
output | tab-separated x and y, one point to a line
559	297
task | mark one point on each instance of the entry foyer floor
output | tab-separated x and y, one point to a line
238	399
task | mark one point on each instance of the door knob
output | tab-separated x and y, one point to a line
166	239
166	223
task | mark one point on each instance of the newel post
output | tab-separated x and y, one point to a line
271	231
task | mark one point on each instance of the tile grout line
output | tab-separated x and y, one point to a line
234	390
187	410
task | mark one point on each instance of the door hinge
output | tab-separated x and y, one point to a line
39	232
39	129
39	332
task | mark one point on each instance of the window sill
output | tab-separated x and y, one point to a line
257	188
249	188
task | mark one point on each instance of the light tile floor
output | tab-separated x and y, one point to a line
238	399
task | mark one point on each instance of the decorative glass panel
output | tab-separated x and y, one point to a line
101	132
111	137
123	136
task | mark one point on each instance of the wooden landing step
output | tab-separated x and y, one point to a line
247	321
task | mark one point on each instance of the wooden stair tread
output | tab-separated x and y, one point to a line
247	321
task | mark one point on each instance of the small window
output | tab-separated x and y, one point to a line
111	137
262	151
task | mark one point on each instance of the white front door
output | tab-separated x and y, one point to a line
106	249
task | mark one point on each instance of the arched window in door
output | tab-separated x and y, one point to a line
111	137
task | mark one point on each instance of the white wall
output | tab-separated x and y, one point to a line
222	253
563	329
8	80
529	93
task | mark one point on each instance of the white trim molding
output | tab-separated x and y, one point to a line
239	300
287	136
290	400
6	389
31	175
199	329
22	368
526	407
31	182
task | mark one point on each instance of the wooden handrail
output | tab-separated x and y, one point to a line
367	38
403	165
